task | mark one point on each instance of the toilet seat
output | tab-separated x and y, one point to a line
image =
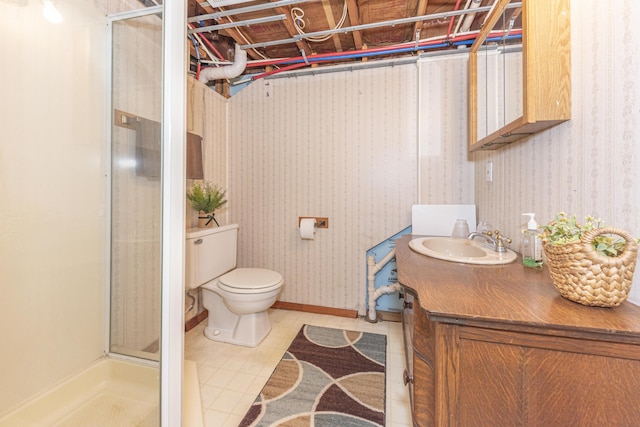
250	281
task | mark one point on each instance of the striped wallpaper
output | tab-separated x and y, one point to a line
591	164
343	146
361	146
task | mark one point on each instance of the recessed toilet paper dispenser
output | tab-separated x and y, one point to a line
321	222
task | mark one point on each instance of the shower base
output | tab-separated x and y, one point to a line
109	393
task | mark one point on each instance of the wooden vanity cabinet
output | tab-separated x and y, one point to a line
498	346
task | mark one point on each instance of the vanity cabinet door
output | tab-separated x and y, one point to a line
419	352
407	330
423	408
489	384
495	378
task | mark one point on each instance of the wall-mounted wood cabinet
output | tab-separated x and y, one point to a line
513	96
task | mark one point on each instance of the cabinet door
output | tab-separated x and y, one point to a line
540	76
567	388
407	330
423	408
489	384
491	377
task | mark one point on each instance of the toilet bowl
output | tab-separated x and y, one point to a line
237	299
237	303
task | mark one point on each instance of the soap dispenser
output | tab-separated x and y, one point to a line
531	244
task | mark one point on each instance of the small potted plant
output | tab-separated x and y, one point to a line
588	263
206	197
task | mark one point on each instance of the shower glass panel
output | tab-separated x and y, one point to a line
136	145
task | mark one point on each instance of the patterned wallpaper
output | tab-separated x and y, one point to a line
591	164
340	145
446	173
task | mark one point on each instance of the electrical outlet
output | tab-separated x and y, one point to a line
489	172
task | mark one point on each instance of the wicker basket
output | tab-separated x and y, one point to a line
584	276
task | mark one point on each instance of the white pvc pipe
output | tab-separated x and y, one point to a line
227	72
468	20
374	294
460	19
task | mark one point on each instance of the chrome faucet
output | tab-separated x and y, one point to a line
495	243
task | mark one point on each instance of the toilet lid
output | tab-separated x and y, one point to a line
247	279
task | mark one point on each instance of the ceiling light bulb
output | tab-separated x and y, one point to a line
51	13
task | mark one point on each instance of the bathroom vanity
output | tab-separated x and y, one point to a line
499	346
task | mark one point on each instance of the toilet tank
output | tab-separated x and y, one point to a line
209	253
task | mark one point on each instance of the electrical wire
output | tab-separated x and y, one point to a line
297	15
195	46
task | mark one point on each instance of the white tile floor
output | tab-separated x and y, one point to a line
232	376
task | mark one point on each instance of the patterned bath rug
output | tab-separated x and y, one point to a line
327	378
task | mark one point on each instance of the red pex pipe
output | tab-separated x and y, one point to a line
211	46
279	70
352	53
451	20
355	52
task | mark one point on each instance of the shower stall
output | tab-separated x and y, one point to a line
94	151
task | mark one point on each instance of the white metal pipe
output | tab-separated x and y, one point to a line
374	294
227	72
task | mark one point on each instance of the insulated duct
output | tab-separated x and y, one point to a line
228	71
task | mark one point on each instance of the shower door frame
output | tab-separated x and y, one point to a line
174	52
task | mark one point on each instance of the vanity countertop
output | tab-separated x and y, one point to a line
497	296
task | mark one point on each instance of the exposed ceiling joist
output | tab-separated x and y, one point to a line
354	18
327	32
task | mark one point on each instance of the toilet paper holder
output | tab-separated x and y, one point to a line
321	222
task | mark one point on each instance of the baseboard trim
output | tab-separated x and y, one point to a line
389	316
195	320
283	305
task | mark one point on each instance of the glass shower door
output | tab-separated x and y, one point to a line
136	191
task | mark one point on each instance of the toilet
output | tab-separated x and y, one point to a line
237	298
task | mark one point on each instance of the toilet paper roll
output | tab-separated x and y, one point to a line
307	228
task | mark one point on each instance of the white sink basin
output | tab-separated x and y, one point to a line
460	250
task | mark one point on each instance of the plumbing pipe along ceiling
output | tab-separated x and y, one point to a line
281	35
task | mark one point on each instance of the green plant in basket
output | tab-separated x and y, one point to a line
588	263
564	229
206	197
